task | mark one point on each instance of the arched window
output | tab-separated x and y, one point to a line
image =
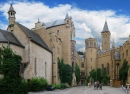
107	68
94	45
90	44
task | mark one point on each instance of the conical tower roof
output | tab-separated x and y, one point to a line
105	28
11	9
67	16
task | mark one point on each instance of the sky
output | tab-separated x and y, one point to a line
88	16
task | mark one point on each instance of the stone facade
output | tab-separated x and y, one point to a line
59	35
109	58
36	56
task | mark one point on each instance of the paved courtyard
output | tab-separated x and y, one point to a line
85	90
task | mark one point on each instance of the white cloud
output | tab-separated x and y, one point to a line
87	23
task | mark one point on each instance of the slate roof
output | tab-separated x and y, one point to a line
8	37
54	23
34	37
105	28
11	8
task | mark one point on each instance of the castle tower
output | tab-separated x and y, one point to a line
105	37
90	54
11	15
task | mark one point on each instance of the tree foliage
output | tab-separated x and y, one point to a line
92	74
98	75
65	72
9	68
80	52
77	73
123	72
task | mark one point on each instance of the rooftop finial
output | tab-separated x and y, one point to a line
67	16
38	20
113	44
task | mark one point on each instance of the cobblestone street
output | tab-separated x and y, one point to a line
85	90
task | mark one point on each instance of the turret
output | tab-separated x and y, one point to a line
105	37
11	15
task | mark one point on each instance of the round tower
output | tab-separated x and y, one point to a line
90	54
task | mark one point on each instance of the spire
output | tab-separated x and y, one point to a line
11	9
67	16
113	44
38	20
11	15
105	28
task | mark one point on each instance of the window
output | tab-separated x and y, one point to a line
82	65
58	32
91	50
35	66
122	55
126	52
58	51
90	44
45	69
91	59
94	45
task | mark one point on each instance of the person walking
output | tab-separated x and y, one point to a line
127	88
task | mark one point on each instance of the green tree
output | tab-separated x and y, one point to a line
10	67
92	74
105	77
77	73
65	72
123	72
99	75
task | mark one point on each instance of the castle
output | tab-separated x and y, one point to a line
108	57
42	46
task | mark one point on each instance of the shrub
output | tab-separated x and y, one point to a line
37	84
59	86
63	86
56	86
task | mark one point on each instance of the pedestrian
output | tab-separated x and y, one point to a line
100	85
127	88
95	85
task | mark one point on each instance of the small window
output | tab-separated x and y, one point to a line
126	52
35	66
91	59
45	69
58	32
82	65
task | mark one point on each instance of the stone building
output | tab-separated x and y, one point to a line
36	55
107	57
59	36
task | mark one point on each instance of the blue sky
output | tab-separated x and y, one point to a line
88	16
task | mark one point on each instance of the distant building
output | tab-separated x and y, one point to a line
108	57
